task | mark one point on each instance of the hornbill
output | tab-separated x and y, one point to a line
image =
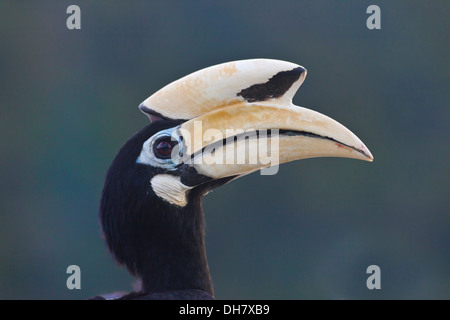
151	211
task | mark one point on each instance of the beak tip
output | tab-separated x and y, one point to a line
367	153
304	71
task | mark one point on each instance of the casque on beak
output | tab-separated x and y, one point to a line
240	118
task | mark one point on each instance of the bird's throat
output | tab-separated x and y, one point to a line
174	257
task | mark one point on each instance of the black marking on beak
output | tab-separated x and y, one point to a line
292	133
274	88
268	134
190	177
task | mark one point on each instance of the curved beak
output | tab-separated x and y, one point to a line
239	118
242	138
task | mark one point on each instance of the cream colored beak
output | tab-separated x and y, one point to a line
243	138
240	118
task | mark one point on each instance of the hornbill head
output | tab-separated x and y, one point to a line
206	129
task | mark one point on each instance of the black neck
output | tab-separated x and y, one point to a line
160	243
175	257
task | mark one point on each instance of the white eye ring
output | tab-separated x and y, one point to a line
148	156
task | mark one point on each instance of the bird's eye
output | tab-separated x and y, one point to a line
163	148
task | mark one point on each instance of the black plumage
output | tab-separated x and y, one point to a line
158	242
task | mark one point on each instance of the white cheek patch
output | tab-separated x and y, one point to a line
170	189
144	156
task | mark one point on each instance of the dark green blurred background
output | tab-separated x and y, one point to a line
69	100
